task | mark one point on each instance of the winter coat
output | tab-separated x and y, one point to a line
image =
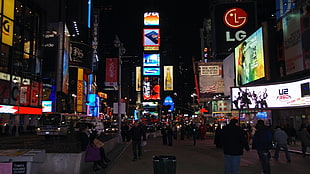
234	140
304	137
280	136
262	140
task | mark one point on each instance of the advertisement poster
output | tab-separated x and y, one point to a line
291	94
151	37
151	18
249	59
111	72
151	88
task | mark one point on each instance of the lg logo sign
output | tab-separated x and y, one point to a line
235	18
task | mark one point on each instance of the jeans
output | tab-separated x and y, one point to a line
277	150
136	149
303	148
232	163
264	157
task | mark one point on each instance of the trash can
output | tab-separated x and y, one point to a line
164	164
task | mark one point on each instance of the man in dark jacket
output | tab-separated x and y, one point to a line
234	142
136	134
262	142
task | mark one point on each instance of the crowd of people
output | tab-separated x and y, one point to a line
232	138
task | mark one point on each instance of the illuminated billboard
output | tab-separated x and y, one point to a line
249	59
151	60
232	23
168	78
151	18
151	88
138	78
293	94
151	71
151	37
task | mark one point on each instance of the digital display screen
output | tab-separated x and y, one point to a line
151	60
291	94
151	71
249	59
151	18
151	37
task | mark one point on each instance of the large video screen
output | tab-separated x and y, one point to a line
151	88
151	60
151	18
249	59
151	71
151	37
283	95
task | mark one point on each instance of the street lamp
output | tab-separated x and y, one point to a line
17	80
193	96
121	50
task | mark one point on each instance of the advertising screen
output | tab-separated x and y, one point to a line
151	18
151	88
151	59
249	59
151	37
291	94
151	71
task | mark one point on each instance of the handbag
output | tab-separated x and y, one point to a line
92	153
98	143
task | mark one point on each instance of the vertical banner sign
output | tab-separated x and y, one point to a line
111	72
138	78
80	87
168	78
7	22
34	96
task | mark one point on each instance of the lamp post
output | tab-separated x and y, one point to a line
17	80
193	96
121	50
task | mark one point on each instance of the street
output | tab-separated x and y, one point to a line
200	159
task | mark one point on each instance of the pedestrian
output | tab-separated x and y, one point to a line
164	133
194	133
136	135
280	138
83	136
218	137
169	135
124	131
292	135
262	142
304	137
234	141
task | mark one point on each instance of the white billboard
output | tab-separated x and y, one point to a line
293	94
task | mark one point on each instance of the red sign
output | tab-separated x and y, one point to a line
22	110
235	18
111	72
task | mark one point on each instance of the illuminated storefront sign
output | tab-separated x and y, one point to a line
22	110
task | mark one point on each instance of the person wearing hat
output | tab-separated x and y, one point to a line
262	142
234	141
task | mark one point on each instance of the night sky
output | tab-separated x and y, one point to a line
184	20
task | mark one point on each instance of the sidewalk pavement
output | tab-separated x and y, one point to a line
200	159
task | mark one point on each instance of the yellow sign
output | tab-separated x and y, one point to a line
8	8
7	31
80	89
